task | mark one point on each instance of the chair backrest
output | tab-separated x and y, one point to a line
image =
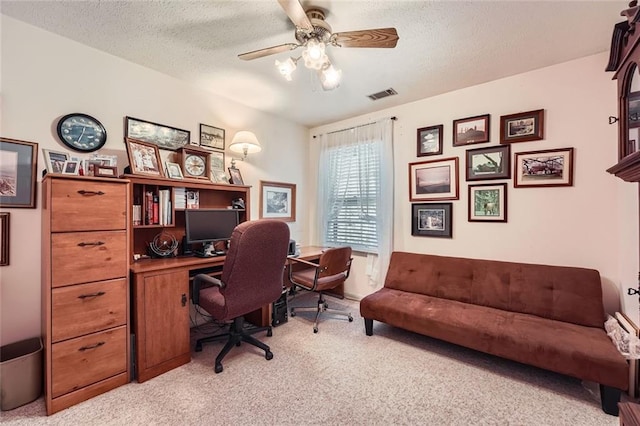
254	265
334	261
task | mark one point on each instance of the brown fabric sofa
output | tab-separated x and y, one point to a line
551	317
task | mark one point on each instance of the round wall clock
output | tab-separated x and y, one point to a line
81	132
195	163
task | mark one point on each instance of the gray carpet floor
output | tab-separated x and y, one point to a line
338	376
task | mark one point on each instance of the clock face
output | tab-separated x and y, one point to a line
81	132
195	165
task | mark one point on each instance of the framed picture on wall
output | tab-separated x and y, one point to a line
471	130
434	180
488	203
278	201
522	127
165	137
211	137
432	220
429	140
18	178
493	162
550	167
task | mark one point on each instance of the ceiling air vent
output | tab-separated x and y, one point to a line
383	94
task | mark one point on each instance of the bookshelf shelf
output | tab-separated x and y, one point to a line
209	195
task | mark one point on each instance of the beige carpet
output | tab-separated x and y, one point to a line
339	376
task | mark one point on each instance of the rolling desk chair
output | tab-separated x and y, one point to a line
331	270
251	278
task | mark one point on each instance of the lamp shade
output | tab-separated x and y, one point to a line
245	142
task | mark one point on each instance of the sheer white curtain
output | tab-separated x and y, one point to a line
374	158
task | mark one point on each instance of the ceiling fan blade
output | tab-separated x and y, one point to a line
379	37
296	13
267	51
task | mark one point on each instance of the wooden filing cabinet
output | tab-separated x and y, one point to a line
85	287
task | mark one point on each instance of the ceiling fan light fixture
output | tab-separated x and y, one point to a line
330	77
314	55
286	68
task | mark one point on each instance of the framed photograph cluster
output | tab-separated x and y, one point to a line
19	160
278	201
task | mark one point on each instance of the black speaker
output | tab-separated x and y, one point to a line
280	314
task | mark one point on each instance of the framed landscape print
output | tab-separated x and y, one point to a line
431	220
488	203
278	201
522	127
471	130
211	137
550	167
493	162
429	140
144	158
164	137
434	180
18	161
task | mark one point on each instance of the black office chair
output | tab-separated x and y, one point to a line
332	269
251	278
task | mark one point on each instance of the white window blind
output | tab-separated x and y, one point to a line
353	188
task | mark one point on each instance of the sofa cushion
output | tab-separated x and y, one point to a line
561	293
579	351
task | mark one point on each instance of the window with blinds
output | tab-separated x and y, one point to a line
353	187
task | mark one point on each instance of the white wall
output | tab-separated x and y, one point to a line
45	76
592	224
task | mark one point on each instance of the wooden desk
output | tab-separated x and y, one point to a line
160	306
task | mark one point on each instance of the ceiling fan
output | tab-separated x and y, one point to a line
313	33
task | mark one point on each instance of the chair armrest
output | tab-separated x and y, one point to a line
200	279
306	262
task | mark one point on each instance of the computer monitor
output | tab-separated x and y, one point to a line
207	226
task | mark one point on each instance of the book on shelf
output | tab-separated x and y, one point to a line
634	364
137	214
180	197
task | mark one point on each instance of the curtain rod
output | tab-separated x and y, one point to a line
394	118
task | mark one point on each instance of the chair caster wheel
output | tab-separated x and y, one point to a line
269	332
218	368
198	347
315	329
268	355
350	318
238	343
293	314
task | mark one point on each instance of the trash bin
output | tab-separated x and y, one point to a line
20	373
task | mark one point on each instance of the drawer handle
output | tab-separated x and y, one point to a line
96	243
86	348
83	192
99	293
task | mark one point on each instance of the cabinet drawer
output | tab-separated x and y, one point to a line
86	308
87	205
79	257
79	362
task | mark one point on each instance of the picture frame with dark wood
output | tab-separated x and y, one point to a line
429	140
144	158
471	130
235	176
19	160
100	170
278	201
493	162
549	167
432	220
434	180
488	202
522	127
163	136
4	238
211	137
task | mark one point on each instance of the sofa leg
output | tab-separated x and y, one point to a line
609	398
368	326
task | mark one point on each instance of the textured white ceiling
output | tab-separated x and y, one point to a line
443	46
